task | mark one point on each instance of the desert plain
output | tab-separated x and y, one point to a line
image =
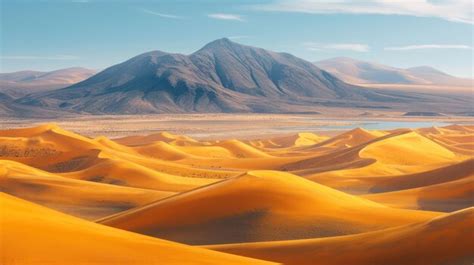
238	189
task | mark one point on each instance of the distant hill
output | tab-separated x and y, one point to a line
361	72
223	76
24	82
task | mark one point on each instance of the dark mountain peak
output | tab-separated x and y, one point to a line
223	45
222	42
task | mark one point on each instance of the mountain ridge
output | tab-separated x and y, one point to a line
222	76
364	72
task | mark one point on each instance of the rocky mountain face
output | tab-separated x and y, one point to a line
223	76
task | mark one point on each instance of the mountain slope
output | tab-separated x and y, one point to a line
25	82
360	72
223	76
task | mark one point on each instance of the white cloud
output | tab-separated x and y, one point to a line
223	16
33	57
163	15
452	10
428	46
355	47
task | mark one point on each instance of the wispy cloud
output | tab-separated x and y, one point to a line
355	47
428	46
223	16
163	15
34	57
452	10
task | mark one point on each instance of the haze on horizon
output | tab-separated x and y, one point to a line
48	35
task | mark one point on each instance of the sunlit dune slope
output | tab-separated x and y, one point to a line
447	196
294	140
240	149
362	168
443	240
457	138
39	236
344	151
352	138
126	173
259	206
84	199
48	147
157	137
53	149
407	149
438	175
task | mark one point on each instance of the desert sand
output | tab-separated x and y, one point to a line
443	240
382	196
37	235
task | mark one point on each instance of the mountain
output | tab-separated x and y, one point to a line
361	72
223	76
25	82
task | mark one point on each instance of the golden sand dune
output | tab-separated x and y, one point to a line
39	236
158	137
447	196
258	206
126	173
352	138
85	199
377	178
459	139
360	168
443	240
359	149
236	191
294	140
414	148
48	147
439	175
240	149
53	149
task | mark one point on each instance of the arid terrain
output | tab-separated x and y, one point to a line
282	196
243	126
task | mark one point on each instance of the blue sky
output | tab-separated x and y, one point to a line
48	35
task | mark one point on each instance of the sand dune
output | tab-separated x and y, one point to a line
442	240
352	138
413	147
294	140
80	198
360	168
125	173
360	197
447	196
157	137
459	139
53	149
258	206
49	237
